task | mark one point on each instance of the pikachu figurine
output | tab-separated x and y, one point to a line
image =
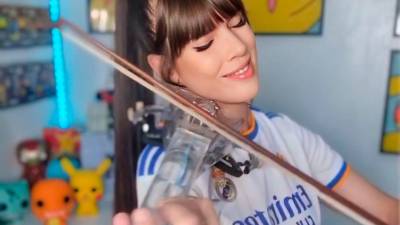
87	185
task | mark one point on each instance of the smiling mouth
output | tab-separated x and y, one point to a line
242	73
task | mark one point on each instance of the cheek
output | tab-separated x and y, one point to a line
200	73
99	197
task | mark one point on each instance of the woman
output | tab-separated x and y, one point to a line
208	47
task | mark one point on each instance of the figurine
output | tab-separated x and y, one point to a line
62	142
52	201
14	201
33	155
87	184
55	171
107	97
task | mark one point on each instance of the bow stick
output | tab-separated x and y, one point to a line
79	37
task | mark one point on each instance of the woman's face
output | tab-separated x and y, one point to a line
221	65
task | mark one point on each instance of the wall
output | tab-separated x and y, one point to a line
335	84
85	76
86	73
24	121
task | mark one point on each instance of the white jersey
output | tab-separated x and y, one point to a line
266	196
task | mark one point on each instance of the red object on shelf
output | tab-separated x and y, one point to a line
33	155
62	141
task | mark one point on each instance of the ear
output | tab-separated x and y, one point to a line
155	62
67	166
103	167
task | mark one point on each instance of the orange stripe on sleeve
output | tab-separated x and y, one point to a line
252	123
343	178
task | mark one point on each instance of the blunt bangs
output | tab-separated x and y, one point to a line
177	22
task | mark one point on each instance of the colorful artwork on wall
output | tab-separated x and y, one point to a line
24	26
285	16
397	20
391	124
102	16
23	83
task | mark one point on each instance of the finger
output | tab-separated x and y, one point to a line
121	219
209	212
182	211
143	216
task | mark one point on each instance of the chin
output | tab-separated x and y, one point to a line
245	96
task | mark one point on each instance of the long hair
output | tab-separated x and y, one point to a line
133	43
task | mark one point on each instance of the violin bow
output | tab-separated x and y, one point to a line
85	41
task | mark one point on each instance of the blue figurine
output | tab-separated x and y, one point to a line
14	201
55	171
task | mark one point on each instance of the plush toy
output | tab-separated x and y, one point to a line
62	142
14	201
52	201
33	156
88	185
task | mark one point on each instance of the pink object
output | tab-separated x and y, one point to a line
272	5
397	115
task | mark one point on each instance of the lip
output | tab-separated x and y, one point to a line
245	75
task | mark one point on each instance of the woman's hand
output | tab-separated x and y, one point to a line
176	211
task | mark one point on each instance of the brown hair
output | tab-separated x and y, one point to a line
176	23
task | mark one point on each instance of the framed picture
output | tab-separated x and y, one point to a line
23	83
102	16
301	17
391	124
24	26
397	20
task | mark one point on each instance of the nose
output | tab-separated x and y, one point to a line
235	44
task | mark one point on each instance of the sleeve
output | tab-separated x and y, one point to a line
327	166
147	166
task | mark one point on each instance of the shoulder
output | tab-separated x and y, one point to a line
149	160
259	113
270	118
276	124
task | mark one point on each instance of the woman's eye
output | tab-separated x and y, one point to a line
237	21
204	47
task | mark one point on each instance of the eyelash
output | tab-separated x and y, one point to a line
204	47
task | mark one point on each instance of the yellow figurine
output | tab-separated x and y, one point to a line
283	16
87	185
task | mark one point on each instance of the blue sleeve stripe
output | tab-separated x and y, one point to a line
255	108
143	158
338	176
154	160
272	114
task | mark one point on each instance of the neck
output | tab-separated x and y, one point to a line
235	115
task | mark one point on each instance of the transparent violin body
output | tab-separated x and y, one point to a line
190	148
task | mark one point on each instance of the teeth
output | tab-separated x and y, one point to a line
239	72
242	70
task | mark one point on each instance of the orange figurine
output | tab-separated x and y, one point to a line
52	201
